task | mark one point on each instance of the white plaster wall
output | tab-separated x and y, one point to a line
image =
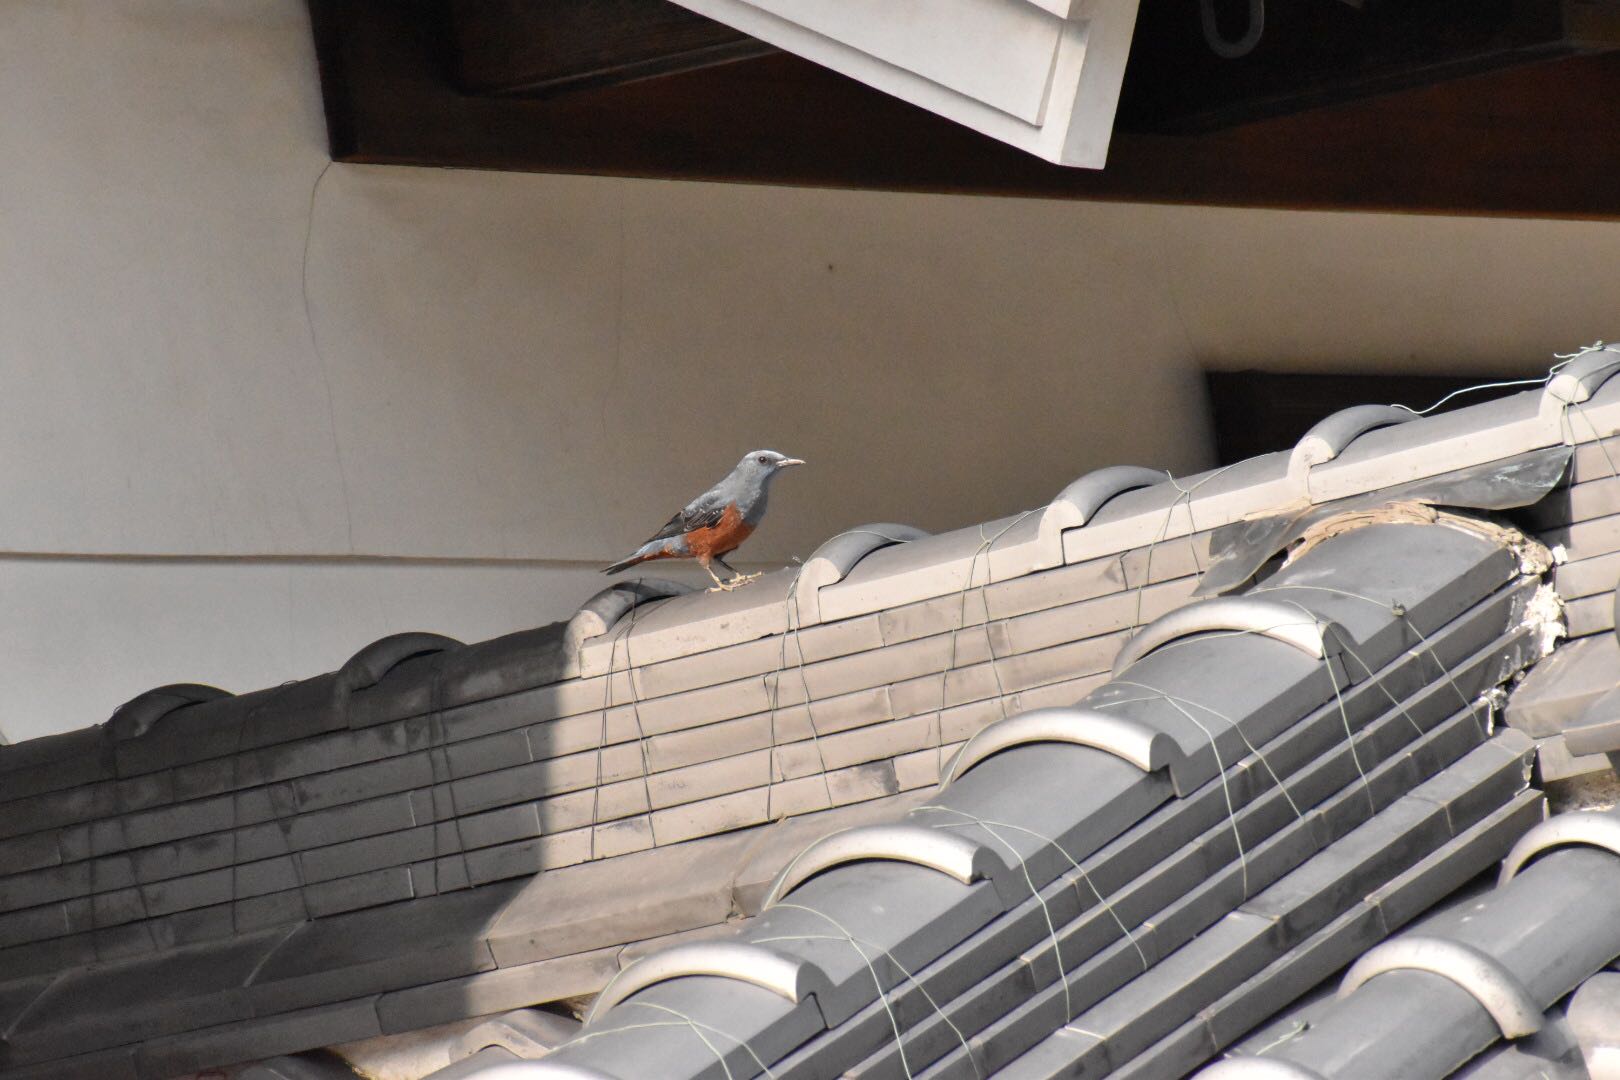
500	381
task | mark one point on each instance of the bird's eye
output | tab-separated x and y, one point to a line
763	460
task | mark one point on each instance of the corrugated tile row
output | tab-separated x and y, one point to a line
656	734
1125	910
1491	967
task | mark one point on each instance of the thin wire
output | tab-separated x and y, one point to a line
1102	901
985	544
1046	910
1184	496
871	968
1563	360
1597	437
641	735
921	988
725	1066
1399	611
795	625
1294	1032
1338	697
1505	385
684	1022
440	737
699	1028
1350	738
1220	766
1177	702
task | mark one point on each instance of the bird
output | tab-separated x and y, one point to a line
715	524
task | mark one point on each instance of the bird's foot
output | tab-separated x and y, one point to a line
735	582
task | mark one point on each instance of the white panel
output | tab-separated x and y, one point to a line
998	52
1042	75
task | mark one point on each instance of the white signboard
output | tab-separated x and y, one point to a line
1043	75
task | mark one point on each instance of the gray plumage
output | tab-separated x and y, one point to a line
712	525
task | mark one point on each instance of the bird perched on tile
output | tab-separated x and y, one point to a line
715	524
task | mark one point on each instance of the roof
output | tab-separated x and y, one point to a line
1303	795
439	831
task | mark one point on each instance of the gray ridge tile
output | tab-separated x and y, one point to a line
49	749
1194	1037
1578	502
34	851
96	1008
468	1068
1175	558
301	1067
1554	761
598	904
94	762
1597	729
1412	892
1129	1020
1482	665
1065	1052
1550	926
1289	976
933	912
1584	539
16	997
1558	689
118	1064
360	891
499	990
1071	946
1588	576
736	1018
385	948
504	666
1594	459
1589	615
250	1040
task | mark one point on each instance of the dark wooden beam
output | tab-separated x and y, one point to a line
537	47
1314	53
1257	412
1535	139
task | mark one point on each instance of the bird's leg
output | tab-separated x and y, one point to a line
736	578
719	586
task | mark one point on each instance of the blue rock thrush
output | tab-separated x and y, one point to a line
715	524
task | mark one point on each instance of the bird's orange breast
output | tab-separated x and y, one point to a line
721	538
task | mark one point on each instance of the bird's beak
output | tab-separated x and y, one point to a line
785	462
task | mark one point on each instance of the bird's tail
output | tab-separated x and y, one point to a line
625	564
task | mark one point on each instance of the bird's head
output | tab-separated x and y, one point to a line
761	465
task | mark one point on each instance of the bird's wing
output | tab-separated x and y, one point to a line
702	512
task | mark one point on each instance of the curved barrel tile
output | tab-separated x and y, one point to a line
1590	828
1581	378
949	853
785	976
1238	614
137	716
371	664
1076	504
597	615
1491	984
1328	438
835	558
1127	739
